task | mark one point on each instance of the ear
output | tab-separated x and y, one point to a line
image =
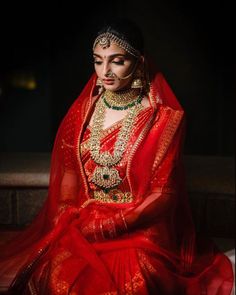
141	60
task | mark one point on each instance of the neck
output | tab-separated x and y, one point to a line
125	95
122	99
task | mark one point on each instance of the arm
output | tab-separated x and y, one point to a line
68	191
154	207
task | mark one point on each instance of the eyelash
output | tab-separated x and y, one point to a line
97	62
115	62
118	62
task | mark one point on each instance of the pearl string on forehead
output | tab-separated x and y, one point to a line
105	40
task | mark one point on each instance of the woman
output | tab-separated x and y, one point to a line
117	219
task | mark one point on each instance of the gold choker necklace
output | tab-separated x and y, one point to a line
121	100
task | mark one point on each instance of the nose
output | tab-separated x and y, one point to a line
106	69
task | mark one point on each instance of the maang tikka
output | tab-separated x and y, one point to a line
105	40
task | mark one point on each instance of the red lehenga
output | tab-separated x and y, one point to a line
157	254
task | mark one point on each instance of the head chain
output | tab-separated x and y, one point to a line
105	40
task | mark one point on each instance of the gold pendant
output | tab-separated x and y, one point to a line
106	177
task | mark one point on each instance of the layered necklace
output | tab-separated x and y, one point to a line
106	176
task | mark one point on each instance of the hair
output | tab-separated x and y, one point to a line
125	29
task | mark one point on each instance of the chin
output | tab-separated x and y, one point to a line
115	87
111	87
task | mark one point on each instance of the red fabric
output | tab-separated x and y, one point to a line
157	254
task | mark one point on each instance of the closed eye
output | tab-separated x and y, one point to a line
97	62
121	62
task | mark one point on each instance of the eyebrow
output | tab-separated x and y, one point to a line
111	56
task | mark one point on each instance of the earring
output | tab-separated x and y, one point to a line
100	85
99	82
137	83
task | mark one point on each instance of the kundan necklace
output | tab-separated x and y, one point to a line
105	175
121	100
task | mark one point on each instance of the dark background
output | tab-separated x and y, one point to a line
46	60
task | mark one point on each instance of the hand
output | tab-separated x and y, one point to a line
100	229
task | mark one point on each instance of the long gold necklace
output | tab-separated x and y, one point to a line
106	176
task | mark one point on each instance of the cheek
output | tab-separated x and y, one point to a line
123	71
97	71
126	82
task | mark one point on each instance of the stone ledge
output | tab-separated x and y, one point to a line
24	169
19	179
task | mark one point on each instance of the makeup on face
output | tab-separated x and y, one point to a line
112	65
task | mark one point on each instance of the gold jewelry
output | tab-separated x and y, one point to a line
120	98
138	80
99	82
100	85
113	196
109	74
105	40
137	83
107	177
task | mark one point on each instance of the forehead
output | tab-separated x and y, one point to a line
112	49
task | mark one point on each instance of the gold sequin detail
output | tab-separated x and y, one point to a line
136	283
145	262
58	286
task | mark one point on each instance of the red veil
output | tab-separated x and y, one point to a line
155	177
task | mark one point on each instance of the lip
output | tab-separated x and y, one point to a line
108	81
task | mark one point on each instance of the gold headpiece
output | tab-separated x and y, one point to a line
105	40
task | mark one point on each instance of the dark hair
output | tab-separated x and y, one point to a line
127	30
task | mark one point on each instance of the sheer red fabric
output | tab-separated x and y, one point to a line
145	245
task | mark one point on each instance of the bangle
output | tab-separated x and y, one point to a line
110	229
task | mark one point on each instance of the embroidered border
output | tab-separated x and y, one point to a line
167	136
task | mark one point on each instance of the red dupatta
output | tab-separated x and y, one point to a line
158	149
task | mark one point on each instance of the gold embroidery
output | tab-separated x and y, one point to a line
167	135
154	97
65	144
78	144
145	262
59	287
137	282
135	147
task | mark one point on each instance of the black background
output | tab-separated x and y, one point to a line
192	43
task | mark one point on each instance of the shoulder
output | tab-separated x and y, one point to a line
167	118
162	92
